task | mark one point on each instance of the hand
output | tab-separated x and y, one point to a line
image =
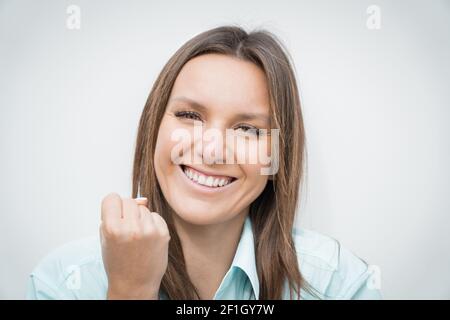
135	245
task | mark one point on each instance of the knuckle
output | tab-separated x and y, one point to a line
163	231
151	232
157	217
144	210
135	235
111	231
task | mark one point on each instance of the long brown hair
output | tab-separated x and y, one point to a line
272	213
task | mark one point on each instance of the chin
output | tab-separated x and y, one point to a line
197	213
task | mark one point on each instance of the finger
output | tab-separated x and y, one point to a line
144	212
111	208
160	223
132	213
147	221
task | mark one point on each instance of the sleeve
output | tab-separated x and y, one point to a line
72	271
354	278
364	288
39	290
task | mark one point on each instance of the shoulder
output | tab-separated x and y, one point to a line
72	271
331	270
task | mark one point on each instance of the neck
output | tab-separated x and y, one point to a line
209	251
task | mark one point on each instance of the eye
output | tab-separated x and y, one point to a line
249	129
188	115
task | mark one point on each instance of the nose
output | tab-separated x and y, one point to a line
211	147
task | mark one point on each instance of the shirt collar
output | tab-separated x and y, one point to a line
245	256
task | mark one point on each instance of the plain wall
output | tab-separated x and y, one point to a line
376	107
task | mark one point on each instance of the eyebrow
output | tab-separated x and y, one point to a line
242	116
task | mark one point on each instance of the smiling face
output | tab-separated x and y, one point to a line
218	92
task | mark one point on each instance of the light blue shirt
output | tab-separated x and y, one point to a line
76	271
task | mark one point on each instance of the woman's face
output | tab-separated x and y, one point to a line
213	93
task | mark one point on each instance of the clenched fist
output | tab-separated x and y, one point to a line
135	245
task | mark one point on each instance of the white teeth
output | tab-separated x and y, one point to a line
206	180
209	181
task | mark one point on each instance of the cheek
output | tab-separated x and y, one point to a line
253	184
255	155
163	148
255	181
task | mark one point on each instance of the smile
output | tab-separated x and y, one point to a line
212	181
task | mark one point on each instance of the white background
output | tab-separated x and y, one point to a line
376	106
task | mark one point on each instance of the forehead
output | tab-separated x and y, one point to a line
223	83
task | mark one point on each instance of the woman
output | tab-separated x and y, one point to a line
206	227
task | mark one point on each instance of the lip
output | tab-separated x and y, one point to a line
205	189
205	173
